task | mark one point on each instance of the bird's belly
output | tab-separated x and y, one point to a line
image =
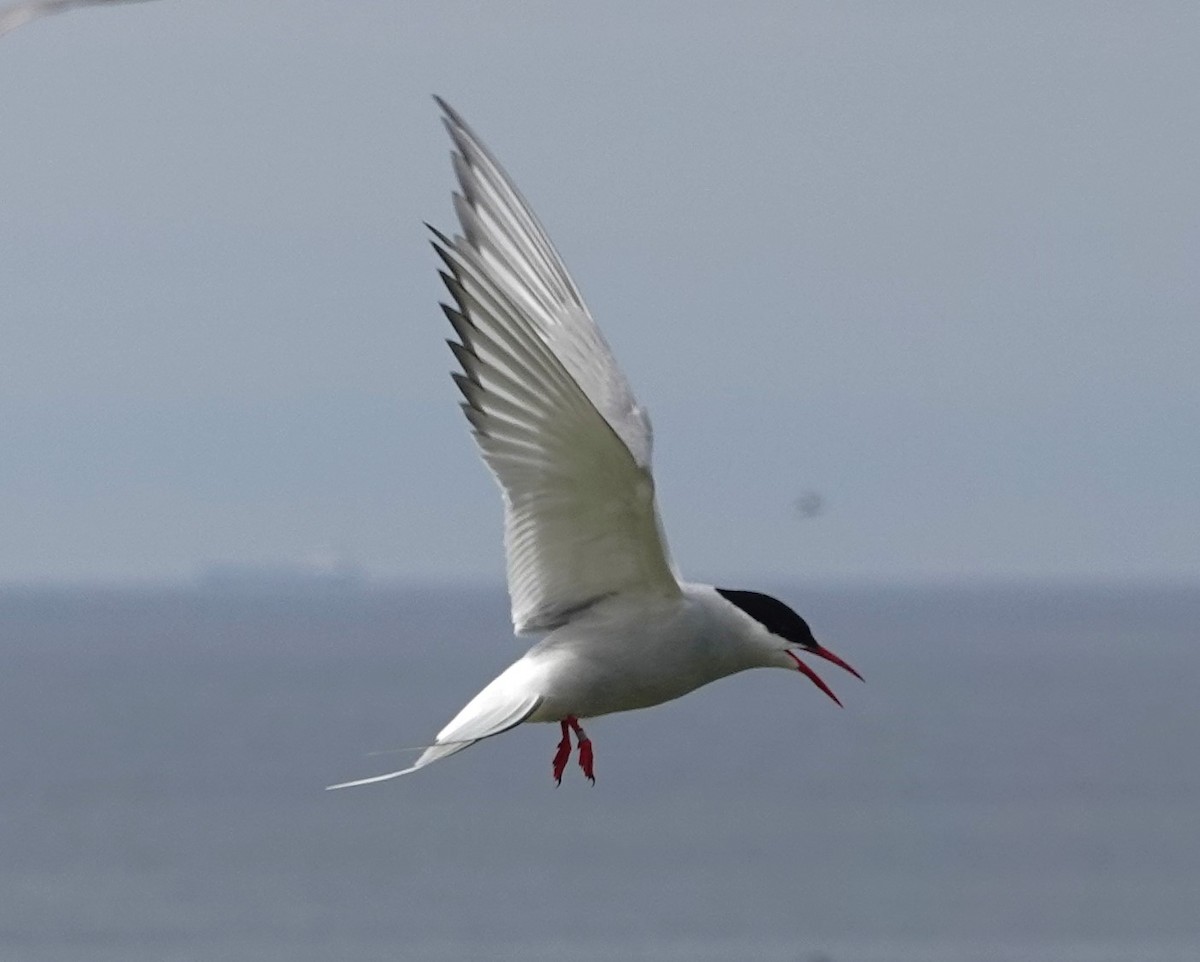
590	681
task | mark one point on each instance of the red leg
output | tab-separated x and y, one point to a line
585	748
563	755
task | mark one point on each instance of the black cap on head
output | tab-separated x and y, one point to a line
772	614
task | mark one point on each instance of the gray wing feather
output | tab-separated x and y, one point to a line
501	226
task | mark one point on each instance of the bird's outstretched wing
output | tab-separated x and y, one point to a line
552	413
18	14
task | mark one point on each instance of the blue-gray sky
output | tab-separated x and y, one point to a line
937	262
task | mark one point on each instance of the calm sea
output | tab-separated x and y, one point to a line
1018	781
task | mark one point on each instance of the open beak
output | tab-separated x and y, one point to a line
830	656
814	677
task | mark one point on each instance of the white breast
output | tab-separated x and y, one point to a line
618	657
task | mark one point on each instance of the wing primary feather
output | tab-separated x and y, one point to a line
460	322
470	390
519	341
493	378
468	360
483	165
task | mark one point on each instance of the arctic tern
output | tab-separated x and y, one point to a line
559	427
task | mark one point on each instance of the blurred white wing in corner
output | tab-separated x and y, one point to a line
20	14
553	415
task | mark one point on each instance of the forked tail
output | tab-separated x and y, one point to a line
482	718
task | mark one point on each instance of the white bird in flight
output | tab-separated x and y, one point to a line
569	445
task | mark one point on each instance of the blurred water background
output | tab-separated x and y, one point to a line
1018	780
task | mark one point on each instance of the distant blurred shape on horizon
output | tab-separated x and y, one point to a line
322	570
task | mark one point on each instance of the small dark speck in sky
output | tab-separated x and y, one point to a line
808	504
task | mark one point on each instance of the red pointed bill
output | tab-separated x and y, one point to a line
814	677
830	656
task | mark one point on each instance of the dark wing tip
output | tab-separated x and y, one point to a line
445	108
439	237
